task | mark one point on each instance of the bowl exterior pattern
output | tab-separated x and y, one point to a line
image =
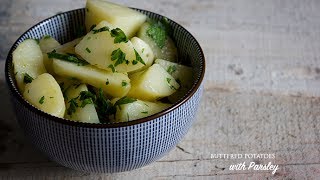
112	149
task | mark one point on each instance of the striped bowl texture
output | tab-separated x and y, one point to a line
107	148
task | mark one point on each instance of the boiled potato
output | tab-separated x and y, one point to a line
152	84
27	60
181	73
68	47
44	93
87	113
48	43
98	48
136	110
145	51
167	52
114	84
125	18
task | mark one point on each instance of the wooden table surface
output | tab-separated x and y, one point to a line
262	90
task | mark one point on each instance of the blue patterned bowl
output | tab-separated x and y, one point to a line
107	148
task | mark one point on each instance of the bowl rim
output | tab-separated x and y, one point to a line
15	92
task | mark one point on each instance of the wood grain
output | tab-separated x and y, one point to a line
261	90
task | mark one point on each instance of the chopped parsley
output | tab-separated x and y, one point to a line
73	106
157	33
124	100
124	83
107	82
50	97
138	58
41	101
134	62
104	107
118	56
112	68
88	50
46	37
105	28
171	86
171	69
119	35
145	112
37	40
142	50
27	78
69	57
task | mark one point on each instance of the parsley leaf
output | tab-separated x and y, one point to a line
70	58
145	112
118	56
107	82
73	106
27	78
157	33
112	68
103	106
138	58
119	35
105	28
88	50
124	100
171	69
46	37
124	83
171	86
41	101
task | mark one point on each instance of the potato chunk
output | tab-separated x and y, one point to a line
152	84
44	93
136	110
182	74
145	51
27	59
48	43
125	18
167	52
99	48
68	47
77	109
114	84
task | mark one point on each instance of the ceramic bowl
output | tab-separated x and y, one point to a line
107	148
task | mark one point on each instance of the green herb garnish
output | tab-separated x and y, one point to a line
107	82
124	100
73	106
138	58
171	69
104	107
105	28
112	68
134	62
124	83
118	56
27	78
88	50
119	35
145	112
171	86
41	101
157	33
46	37
70	58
